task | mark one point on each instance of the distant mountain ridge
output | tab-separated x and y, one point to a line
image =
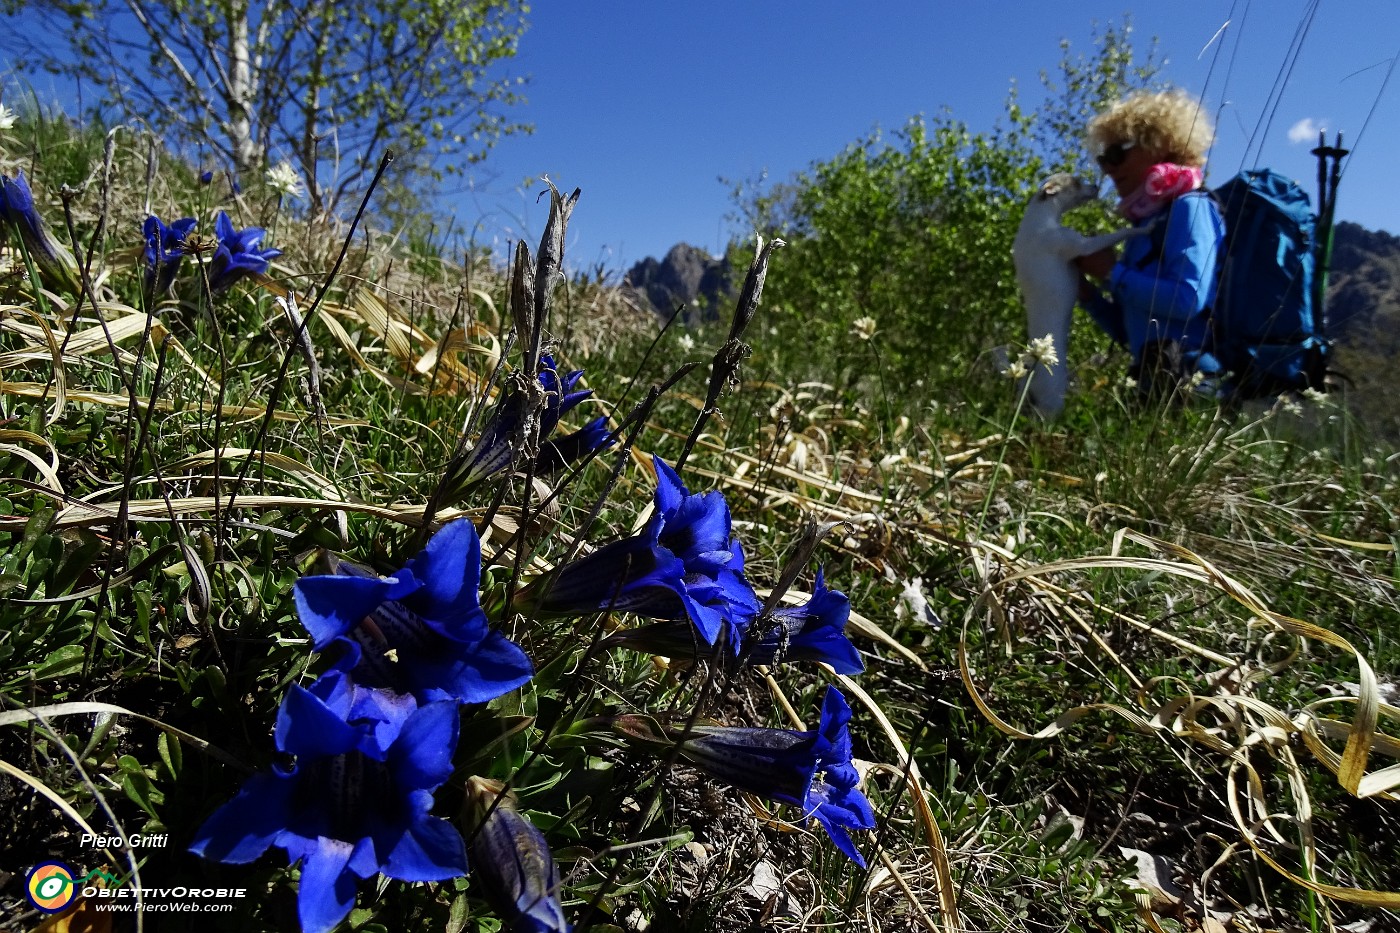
1363	286
1363	317
688	277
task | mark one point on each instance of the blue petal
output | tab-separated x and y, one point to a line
493	667
449	568
307	726
429	850
223	228
709	620
840	838
836	712
242	829
817	630
698	532
829	646
838	809
422	755
631	575
670	491
333	604
327	889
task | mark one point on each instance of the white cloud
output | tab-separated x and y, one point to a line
1306	130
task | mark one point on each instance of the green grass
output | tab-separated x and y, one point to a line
1045	553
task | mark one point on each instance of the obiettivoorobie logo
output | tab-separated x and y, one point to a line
52	886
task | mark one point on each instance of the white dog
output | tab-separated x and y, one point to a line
1043	253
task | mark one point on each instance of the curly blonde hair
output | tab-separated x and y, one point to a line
1170	124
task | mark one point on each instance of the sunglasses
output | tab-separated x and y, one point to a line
1114	155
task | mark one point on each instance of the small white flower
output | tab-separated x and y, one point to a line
284	179
1016	370
686	343
863	327
1042	350
7	117
1196	379
1291	407
1316	397
1129	382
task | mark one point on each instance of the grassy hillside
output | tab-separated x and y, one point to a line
1133	670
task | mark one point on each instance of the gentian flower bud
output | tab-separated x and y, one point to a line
17	211
513	864
494	451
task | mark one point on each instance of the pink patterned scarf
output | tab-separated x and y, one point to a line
1163	184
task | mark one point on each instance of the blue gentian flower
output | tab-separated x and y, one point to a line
808	769
696	528
494	451
17	210
684	565
559	453
348	806
421	631
164	251
813	631
512	862
237	255
206	178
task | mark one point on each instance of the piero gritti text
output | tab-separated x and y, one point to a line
134	841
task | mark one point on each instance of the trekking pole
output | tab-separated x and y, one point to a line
1327	183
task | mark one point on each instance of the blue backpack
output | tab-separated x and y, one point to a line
1266	329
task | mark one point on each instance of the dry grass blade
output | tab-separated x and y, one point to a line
386	323
115	401
1237	725
343	337
48	794
49	350
304	474
84	514
1351	770
9	443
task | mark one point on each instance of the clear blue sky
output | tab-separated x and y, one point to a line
646	104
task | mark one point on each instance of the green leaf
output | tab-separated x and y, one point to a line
60	663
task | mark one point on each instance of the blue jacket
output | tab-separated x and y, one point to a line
1168	299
